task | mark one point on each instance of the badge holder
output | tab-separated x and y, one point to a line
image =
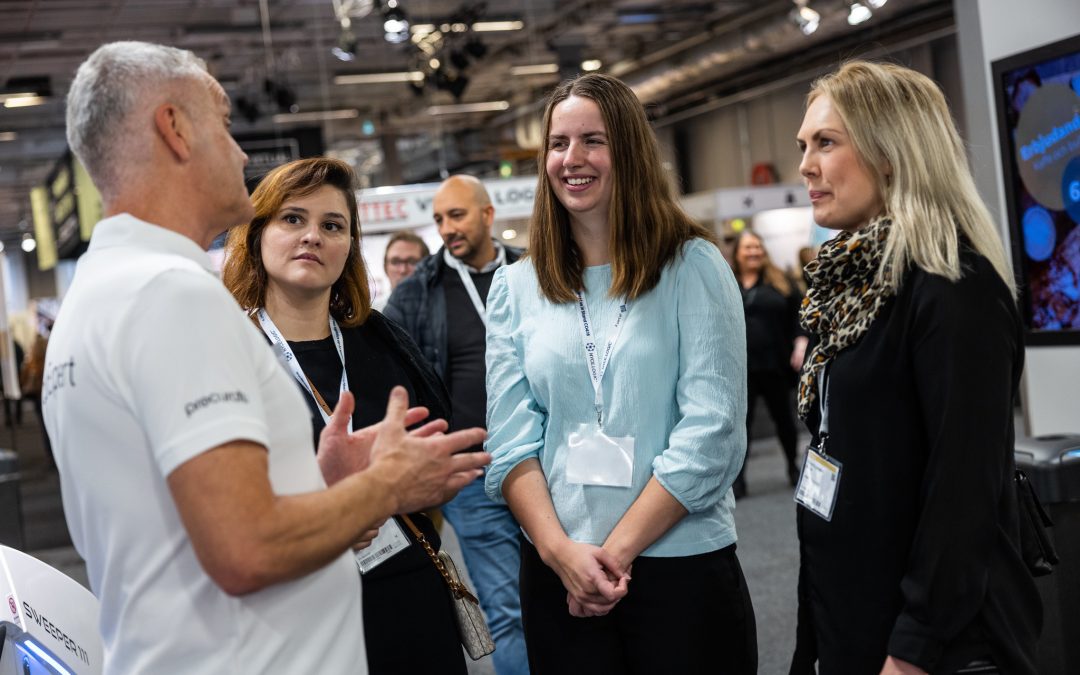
598	459
819	481
390	541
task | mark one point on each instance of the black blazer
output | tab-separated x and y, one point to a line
921	560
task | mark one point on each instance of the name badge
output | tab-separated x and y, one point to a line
598	459
390	541
818	484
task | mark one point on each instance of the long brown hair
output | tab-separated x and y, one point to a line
243	272
648	227
770	273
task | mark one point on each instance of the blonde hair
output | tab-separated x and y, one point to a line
902	130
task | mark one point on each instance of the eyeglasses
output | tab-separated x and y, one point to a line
402	262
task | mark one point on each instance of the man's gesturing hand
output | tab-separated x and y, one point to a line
420	468
341	453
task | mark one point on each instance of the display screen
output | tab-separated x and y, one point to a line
1038	105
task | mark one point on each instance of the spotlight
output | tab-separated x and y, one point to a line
455	83
28	243
476	49
345	50
284	97
395	23
248	109
590	65
459	59
858	13
805	18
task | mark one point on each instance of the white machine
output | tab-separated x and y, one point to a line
48	622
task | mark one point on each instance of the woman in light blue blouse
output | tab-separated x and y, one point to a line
616	363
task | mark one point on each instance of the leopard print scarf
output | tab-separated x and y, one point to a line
844	299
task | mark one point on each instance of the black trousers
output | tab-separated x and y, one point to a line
683	616
775	388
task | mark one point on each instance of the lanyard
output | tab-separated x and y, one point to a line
823	406
588	339
294	364
470	288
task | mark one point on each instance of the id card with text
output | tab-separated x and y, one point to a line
390	541
598	459
818	484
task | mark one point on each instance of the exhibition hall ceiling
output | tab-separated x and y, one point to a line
290	63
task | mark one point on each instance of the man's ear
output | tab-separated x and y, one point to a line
172	127
489	216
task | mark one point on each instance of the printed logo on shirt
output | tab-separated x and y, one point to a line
210	399
57	377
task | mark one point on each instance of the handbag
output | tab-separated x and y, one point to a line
472	628
1035	545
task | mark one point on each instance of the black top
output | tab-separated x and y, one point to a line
772	322
921	559
466	344
378	355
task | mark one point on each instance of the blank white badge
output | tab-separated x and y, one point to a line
598	459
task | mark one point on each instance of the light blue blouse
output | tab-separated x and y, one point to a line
676	382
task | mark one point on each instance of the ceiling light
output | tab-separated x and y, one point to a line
590	65
876	4
805	18
19	94
8	136
395	23
380	78
858	13
317	116
481	26
464	108
509	234
24	101
536	69
345	50
434	63
422	28
28	243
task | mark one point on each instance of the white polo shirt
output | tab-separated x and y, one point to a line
152	362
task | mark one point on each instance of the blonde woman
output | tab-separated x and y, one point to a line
909	537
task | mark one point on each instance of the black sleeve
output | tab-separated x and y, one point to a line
963	350
426	382
402	297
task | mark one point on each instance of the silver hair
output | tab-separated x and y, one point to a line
108	88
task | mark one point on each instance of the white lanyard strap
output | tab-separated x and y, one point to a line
470	288
823	404
597	367
286	352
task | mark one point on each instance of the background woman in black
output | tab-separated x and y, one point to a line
298	263
915	366
774	344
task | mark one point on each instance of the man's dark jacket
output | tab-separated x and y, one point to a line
419	306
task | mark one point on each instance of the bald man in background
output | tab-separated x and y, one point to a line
442	306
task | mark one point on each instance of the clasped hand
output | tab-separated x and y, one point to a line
594	580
